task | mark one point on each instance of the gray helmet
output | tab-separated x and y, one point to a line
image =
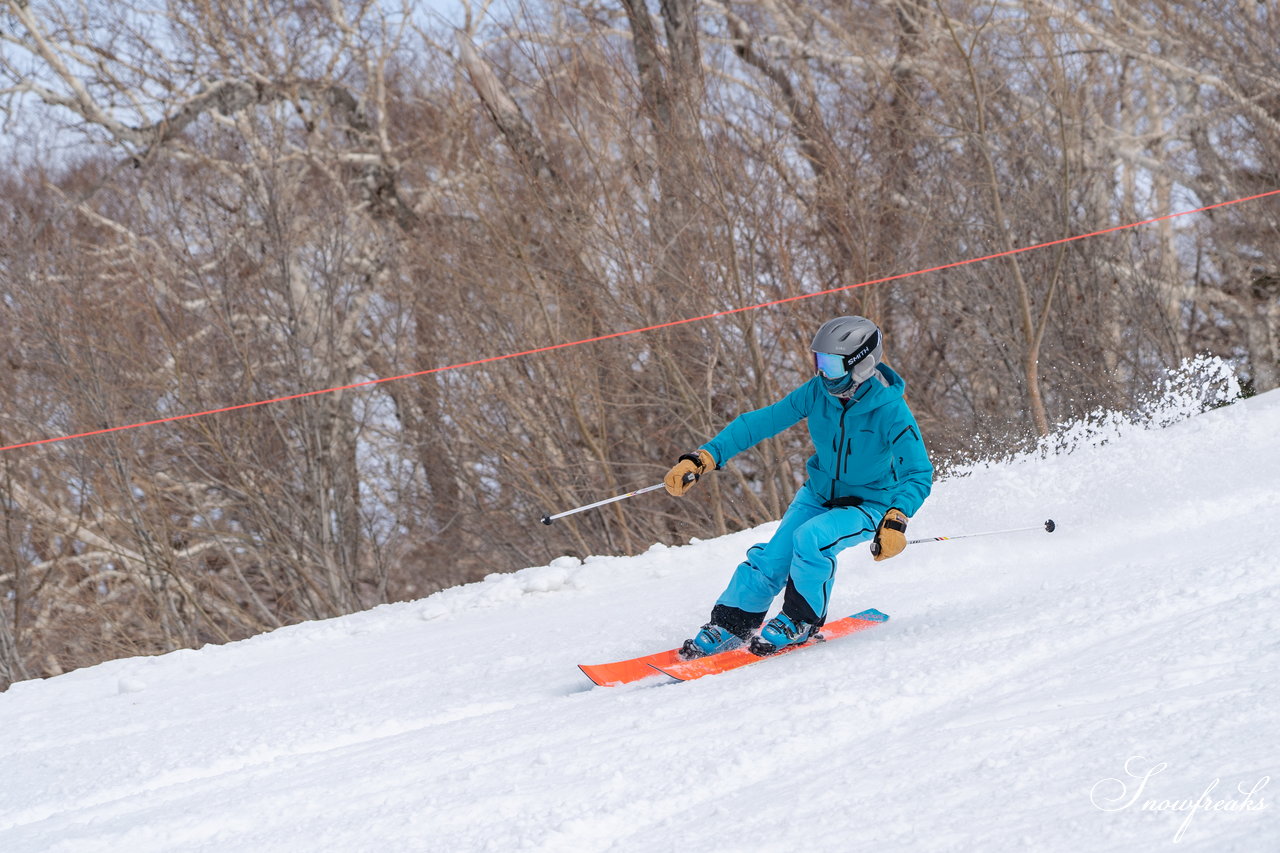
857	340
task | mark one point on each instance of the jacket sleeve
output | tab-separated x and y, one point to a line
751	428
913	471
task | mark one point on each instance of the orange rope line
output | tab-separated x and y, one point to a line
612	335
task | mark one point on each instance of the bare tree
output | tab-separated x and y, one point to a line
259	203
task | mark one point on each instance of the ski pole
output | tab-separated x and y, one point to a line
1047	527
547	519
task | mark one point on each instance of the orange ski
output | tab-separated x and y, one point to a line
687	670
627	671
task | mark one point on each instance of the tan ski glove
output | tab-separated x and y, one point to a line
891	535
697	463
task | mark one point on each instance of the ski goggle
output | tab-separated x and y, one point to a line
830	365
835	366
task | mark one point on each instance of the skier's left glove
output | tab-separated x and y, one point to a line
891	536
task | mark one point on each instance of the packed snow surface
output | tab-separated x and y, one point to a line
1112	686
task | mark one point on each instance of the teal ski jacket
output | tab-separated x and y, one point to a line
867	447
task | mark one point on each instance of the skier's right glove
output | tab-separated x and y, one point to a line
678	479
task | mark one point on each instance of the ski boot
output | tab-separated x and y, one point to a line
779	632
710	639
728	628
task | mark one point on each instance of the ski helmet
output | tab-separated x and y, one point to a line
846	351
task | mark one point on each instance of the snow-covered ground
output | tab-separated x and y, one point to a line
1112	686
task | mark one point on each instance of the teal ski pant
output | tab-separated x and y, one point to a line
801	557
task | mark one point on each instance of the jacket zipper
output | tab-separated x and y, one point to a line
840	450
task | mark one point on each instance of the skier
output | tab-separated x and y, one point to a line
869	473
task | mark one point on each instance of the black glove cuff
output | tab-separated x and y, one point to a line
894	524
696	460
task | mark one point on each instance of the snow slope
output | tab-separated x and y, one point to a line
1074	692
